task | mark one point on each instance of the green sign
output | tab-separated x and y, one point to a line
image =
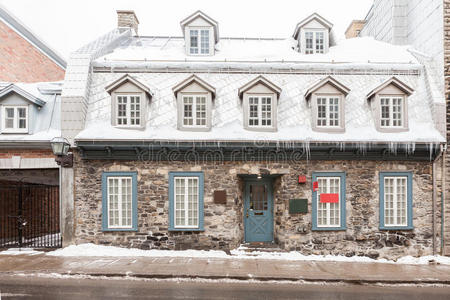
297	206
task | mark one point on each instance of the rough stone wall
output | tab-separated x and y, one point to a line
223	223
20	61
447	97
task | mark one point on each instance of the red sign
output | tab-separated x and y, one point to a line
329	198
315	186
301	179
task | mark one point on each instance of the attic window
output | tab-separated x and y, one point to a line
391	112
128	110
199	41
15	119
314	42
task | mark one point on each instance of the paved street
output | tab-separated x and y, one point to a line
24	287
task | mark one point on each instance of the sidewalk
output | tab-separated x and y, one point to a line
219	268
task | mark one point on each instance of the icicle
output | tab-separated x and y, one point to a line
431	150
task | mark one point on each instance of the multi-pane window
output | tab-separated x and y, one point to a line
260	111
327	111
15	118
199	41
128	110
194	111
328	214
391	109
314	42
186	202
119	202
395	201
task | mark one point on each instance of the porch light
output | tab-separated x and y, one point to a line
259	176
60	148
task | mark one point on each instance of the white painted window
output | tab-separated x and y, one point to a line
314	42
15	119
328	111
199	41
186	202
194	111
120	199
395	201
128	110
329	214
391	110
260	111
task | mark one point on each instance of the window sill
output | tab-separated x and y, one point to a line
329	129
396	228
129	127
261	129
329	229
184	128
392	129
186	229
14	131
118	229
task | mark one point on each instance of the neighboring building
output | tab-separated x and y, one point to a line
29	119
208	142
24	57
354	29
420	23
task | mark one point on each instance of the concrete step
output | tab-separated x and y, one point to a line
261	247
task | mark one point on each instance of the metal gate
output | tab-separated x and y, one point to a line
29	216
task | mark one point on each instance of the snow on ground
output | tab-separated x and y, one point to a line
239	253
20	251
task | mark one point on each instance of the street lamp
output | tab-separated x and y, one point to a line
60	148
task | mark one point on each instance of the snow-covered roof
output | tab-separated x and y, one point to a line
256	53
327	80
394	81
314	16
294	114
46	124
200	14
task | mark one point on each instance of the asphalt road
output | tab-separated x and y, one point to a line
24	287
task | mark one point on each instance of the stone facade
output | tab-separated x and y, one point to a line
223	224
447	97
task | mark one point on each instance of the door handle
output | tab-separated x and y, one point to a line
246	214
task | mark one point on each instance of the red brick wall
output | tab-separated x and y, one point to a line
20	61
26	153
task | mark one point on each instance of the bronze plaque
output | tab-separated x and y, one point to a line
220	197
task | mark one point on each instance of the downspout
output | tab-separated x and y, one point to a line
435	196
443	200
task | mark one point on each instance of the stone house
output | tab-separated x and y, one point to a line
422	24
30	89
206	142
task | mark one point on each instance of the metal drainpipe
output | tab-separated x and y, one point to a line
434	197
443	200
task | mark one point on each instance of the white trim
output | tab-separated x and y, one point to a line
259	118
127	116
391	111
314	45
186	201
194	110
328	205
199	42
327	110
120	201
16	119
395	200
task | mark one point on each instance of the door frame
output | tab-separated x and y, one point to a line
269	182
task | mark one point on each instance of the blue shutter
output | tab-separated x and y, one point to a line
200	177
409	198
315	176
134	214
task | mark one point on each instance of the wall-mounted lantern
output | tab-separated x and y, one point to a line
60	148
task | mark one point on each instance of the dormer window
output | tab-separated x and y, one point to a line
389	106
199	41
313	35
201	34
260	101
129	99
194	104
15	119
327	99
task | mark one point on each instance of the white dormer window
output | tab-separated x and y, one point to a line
328	111
314	42
128	110
391	109
260	111
15	119
199	41
194	110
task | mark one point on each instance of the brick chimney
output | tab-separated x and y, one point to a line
127	18
354	28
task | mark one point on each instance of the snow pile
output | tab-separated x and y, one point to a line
20	251
239	253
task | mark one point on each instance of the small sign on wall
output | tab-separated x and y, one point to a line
220	197
297	206
329	198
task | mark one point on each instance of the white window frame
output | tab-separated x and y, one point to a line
16	128
259	118
120	201
328	205
391	111
186	202
395	201
199	40
327	111
128	110
314	44
194	110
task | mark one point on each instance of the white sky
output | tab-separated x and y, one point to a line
66	25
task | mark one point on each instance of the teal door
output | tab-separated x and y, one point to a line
258	211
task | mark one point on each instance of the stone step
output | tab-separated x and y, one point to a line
261	247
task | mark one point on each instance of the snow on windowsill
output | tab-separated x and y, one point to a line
87	250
